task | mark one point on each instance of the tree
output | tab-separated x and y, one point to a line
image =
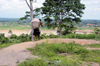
10	32
27	16
62	13
31	12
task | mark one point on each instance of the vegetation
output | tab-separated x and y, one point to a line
96	30
62	13
93	45
85	28
80	36
13	39
53	55
10	32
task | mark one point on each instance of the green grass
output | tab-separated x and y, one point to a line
85	28
81	36
50	52
19	28
5	45
13	41
93	45
13	27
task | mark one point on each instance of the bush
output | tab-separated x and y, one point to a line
13	36
2	35
10	32
4	40
80	36
96	30
53	36
44	36
24	37
71	35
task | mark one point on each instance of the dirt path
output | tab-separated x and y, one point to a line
17	53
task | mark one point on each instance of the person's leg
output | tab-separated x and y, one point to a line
33	37
38	37
34	34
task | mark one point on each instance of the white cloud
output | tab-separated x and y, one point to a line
6	7
90	1
97	9
14	7
17	8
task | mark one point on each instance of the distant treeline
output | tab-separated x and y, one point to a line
9	20
83	21
87	22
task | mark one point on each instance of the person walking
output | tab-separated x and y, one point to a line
36	23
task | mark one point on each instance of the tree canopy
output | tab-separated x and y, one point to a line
62	13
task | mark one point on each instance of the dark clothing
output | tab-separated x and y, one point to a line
36	32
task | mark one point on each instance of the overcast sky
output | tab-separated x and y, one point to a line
17	8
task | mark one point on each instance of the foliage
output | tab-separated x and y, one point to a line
93	45
43	62
52	49
13	36
3	39
96	30
10	32
68	30
49	54
44	36
1	35
24	37
80	36
85	22
27	16
53	36
34	62
62	13
14	25
85	28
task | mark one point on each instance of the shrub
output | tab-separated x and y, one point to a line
96	30
13	36
44	36
1	35
10	32
80	36
4	40
53	36
24	37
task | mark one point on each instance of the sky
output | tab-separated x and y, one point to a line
17	8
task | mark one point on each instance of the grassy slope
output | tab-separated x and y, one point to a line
49	55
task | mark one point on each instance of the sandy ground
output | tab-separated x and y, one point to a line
18	53
19	32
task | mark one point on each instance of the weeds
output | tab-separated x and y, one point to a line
93	45
52	51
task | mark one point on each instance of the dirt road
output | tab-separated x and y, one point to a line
11	55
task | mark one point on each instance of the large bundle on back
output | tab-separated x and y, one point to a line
35	23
